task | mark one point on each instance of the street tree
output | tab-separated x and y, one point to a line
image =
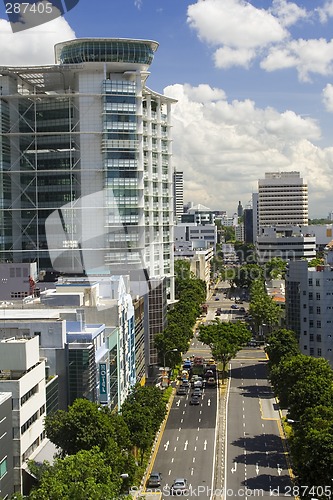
263	309
143	411
82	476
247	274
301	382
224	339
85	425
275	268
312	446
282	343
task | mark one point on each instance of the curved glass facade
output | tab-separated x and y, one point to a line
124	51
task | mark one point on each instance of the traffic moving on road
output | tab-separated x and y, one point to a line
223	442
186	451
255	459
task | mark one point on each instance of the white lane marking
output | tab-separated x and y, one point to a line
205	444
257	468
193	460
166	446
178	402
185	445
180	429
175	448
172	460
279	469
233	469
208	402
192	470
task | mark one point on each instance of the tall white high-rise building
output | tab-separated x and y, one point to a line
282	199
86	172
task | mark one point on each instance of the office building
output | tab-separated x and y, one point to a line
85	150
286	243
23	375
178	195
198	214
239	232
282	199
248	225
6	445
309	309
202	236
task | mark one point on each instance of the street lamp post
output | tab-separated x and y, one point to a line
164	355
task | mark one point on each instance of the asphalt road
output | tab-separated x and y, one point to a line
255	460
187	445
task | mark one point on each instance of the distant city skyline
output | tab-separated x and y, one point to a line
253	82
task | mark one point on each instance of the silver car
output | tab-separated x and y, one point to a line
179	487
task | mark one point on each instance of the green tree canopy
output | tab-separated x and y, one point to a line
301	382
229	233
247	274
275	268
282	343
85	425
263	309
245	252
224	339
312	446
84	475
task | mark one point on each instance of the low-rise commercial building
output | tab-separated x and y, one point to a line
6	446
23	375
287	243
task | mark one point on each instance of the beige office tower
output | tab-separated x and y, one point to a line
282	200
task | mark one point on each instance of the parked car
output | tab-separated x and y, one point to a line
197	391
242	309
154	480
185	383
234	306
194	400
217	298
179	487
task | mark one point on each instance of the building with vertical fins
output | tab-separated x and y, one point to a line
85	162
178	195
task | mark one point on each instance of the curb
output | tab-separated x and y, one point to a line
154	450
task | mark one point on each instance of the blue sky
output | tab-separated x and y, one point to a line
254	83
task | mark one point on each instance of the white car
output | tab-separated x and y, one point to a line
179	487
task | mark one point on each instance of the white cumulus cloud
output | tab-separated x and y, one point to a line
234	23
241	34
307	56
328	97
33	46
224	147
288	12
